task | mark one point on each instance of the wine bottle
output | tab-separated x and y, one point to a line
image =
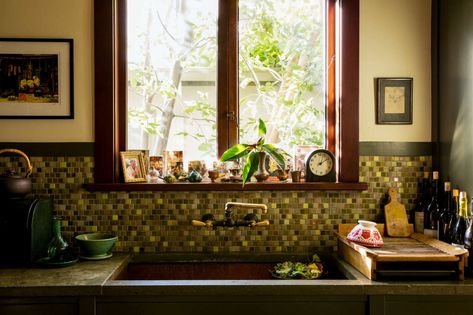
469	241
447	215
422	203
462	221
456	211
431	215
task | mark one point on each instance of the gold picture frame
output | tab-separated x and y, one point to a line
133	166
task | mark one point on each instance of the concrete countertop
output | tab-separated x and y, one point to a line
81	278
95	278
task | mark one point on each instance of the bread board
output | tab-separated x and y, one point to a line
396	217
415	255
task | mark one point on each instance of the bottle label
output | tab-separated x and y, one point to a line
419	222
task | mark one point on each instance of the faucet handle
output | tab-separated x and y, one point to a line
262	223
201	224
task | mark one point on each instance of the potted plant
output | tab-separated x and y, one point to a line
256	154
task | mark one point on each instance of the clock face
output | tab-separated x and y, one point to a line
320	164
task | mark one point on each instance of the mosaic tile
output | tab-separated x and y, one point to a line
301	221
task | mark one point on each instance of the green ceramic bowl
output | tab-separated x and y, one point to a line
95	244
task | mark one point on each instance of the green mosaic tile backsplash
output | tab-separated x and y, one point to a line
301	221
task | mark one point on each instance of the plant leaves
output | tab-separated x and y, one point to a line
276	154
235	152
250	167
261	128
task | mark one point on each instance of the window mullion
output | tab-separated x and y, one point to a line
227	79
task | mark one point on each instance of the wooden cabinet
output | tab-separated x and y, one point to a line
420	305
237	305
39	306
48	306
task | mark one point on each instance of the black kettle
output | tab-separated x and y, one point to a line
11	184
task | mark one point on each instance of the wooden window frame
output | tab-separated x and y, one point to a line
111	86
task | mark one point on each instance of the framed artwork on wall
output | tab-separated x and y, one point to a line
36	78
394	101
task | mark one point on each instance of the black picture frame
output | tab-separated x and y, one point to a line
36	78
394	101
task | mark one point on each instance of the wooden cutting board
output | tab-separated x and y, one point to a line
396	217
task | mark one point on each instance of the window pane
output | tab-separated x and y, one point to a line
171	77
282	71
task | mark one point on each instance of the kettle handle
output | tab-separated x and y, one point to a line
29	168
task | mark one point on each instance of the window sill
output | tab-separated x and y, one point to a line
224	186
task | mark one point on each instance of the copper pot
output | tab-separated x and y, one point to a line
13	185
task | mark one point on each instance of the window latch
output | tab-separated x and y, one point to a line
231	115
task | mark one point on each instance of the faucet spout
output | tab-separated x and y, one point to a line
230	205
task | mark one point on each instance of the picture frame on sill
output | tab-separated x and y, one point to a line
394	100
133	166
36	78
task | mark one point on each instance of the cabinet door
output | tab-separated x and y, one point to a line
237	306
39	306
420	305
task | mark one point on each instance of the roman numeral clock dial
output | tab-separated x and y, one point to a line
320	166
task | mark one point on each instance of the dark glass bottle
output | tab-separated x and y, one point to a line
447	214
462	221
58	248
469	241
431	215
422	203
456	210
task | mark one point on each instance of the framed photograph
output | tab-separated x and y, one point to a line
133	166
301	151
157	163
394	101
173	162
36	78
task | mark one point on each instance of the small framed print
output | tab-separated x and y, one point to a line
133	166
394	101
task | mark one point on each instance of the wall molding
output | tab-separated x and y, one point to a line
382	148
52	148
367	148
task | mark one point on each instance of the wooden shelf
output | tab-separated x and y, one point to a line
223	186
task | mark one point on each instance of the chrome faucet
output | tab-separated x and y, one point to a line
250	219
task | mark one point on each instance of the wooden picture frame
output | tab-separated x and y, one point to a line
133	166
36	81
394	101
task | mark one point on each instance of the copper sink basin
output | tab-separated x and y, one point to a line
209	271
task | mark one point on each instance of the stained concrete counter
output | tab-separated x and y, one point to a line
81	278
95	278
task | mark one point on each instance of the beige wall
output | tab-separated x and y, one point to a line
54	19
394	41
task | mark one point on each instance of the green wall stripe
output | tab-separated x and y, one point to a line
87	148
52	148
395	148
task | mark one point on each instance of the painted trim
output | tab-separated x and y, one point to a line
395	148
52	148
87	148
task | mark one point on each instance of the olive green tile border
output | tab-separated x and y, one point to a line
395	148
87	148
52	148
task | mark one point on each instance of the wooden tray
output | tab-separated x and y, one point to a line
415	255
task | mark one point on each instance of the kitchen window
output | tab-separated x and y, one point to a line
116	115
